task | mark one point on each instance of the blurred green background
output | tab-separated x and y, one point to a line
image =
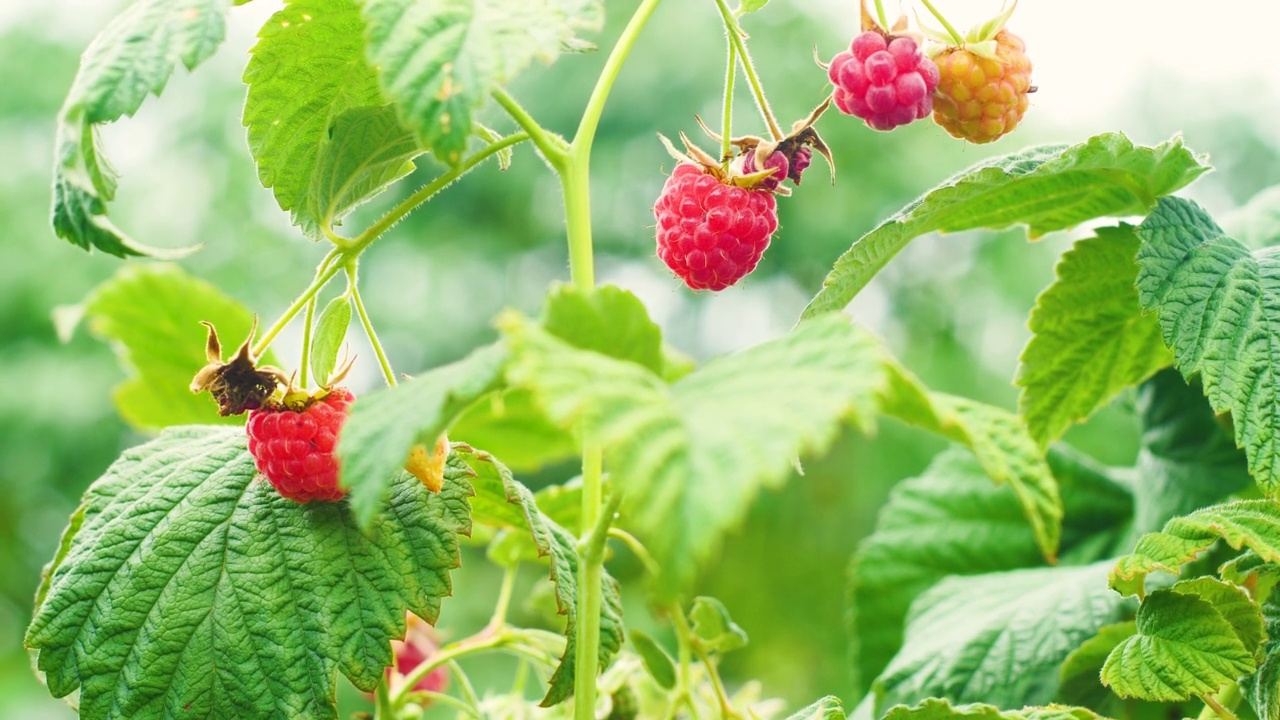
953	308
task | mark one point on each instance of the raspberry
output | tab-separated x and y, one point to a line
777	160
800	162
294	448
887	83
980	99
712	233
419	645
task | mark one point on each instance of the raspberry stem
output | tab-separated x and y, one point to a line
308	319
884	19
731	70
951	30
383	709
748	67
353	288
552	147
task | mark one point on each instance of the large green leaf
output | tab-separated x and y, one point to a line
691	456
940	709
511	425
998	638
1263	687
1079	679
952	521
1046	188
438	61
498	494
385	424
997	438
131	58
607	320
190	587
1090	339
151	315
318	126
1254	524
1219	306
1184	646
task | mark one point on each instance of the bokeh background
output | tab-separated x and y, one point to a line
954	308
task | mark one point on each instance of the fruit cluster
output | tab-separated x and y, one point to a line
293	446
885	81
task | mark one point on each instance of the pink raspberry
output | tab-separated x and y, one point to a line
777	160
294	448
887	83
800	161
711	233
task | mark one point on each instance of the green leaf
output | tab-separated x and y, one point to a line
1257	222
151	315
1046	188
1263	687
439	61
364	151
1218	305
656	660
193	588
691	456
607	320
750	6
318	126
1254	524
940	709
131	58
998	439
999	637
1089	339
952	520
1183	647
385	424
560	548
828	708
330	331
1232	602
514	428
713	628
1079	679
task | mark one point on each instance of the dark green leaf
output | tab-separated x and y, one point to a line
1263	687
1046	188
1219	306
438	61
151	314
656	660
560	548
1183	647
327	339
192	588
131	58
1089	339
384	425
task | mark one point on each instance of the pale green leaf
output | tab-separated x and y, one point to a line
192	588
691	456
828	708
364	151
607	320
1219	306
1089	338
1232	602
1079	678
560	548
438	61
1183	647
512	426
941	709
750	6
327	339
384	425
1046	188
1000	637
151	315
131	58
713	627
998	439
953	521
305	74
1257	222
656	660
1254	524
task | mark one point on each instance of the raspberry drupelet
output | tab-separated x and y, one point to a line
294	449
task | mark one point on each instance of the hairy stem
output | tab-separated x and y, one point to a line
951	30
308	319
734	32
1221	705
884	19
552	147
504	597
383	708
731	71
387	373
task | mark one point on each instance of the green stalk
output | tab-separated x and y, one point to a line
731	71
575	183
951	30
307	319
552	147
734	32
884	19
383	709
387	373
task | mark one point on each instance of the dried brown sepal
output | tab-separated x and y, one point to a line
428	467
802	134
239	384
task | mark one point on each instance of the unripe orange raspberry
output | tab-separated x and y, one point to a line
979	98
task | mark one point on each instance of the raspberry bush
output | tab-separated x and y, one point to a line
275	533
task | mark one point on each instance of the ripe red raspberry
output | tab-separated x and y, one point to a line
420	644
712	233
887	83
978	98
294	448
